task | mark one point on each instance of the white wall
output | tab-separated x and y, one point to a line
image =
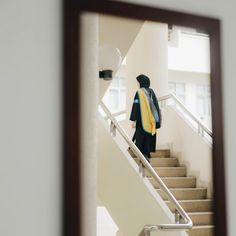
191	54
89	98
119	32
225	11
191	82
115	96
188	77
148	55
30	123
105	224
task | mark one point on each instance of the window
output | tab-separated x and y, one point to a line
203	100
115	97
178	89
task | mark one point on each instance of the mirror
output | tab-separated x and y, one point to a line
79	153
177	61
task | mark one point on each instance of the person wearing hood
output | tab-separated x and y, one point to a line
145	116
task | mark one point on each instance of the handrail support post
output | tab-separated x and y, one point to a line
177	216
181	220
141	169
147	233
113	129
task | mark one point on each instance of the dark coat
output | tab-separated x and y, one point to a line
145	142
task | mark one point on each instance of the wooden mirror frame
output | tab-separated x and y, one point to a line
71	110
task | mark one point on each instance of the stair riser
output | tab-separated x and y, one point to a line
202	219
194	206
169	172
177	183
161	153
201	232
185	194
157	154
163	162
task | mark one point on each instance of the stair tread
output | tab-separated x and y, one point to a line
162	149
174	177
203	227
169	167
194	200
185	189
193	205
162	162
175	182
200	213
185	193
169	171
160	152
161	158
177	177
201	218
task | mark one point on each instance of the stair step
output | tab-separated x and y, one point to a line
206	230
201	218
163	162
185	193
176	182
161	153
193	205
169	171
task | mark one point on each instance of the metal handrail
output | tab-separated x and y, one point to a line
193	117
201	126
183	221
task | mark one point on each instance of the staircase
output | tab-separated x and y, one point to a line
191	198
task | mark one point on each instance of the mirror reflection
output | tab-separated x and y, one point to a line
176	60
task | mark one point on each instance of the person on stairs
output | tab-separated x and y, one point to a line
145	116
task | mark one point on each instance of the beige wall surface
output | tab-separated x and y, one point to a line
225	11
30	123
119	33
148	55
131	200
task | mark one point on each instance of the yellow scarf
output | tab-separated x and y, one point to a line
148	120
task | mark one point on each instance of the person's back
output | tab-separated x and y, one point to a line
146	118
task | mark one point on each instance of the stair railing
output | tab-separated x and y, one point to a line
201	128
182	220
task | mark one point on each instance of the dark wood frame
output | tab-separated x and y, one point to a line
72	9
